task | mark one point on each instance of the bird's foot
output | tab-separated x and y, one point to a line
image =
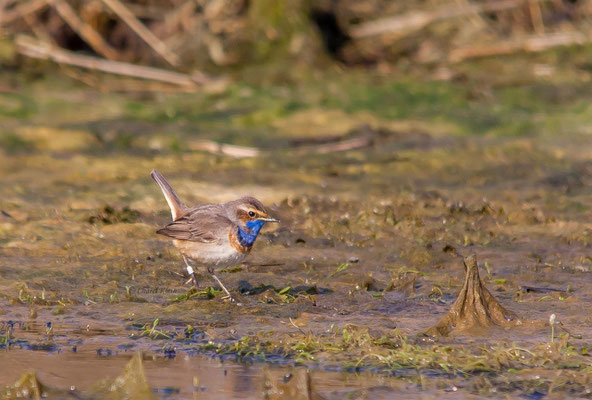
228	295
192	275
232	300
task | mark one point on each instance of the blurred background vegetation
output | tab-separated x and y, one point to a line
267	73
509	67
202	40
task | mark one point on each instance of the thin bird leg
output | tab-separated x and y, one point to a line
191	272
211	271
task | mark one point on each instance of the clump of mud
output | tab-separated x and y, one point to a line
475	307
27	387
130	384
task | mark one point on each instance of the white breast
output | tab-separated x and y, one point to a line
221	255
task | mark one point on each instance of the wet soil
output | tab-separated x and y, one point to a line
366	258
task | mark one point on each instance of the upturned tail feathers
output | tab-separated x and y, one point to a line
178	209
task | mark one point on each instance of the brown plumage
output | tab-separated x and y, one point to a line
213	235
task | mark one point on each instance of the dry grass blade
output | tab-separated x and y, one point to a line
416	20
39	29
359	142
530	44
225	149
140	29
21	10
85	31
344	145
536	16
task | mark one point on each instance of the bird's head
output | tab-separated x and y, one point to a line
249	214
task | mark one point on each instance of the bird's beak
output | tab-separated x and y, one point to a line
268	219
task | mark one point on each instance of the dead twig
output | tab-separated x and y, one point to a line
529	44
536	16
416	20
21	10
296	326
86	78
36	49
570	333
85	31
246	152
140	29
344	145
125	85
364	137
122	85
3	5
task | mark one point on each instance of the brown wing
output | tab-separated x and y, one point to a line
203	224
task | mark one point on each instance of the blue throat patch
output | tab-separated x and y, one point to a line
247	237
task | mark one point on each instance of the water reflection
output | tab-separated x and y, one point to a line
81	371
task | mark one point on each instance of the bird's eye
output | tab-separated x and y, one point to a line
251	214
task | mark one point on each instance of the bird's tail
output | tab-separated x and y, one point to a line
178	209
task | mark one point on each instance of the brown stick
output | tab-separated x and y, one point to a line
177	15
536	17
122	85
247	152
85	31
3	5
155	43
531	44
151	10
416	20
19	11
35	49
343	145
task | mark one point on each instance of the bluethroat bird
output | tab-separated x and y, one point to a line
213	235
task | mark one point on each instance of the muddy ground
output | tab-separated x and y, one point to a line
366	258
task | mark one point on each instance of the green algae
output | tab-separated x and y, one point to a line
358	349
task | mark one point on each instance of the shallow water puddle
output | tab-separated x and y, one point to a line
175	378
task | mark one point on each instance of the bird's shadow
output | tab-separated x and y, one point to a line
246	288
